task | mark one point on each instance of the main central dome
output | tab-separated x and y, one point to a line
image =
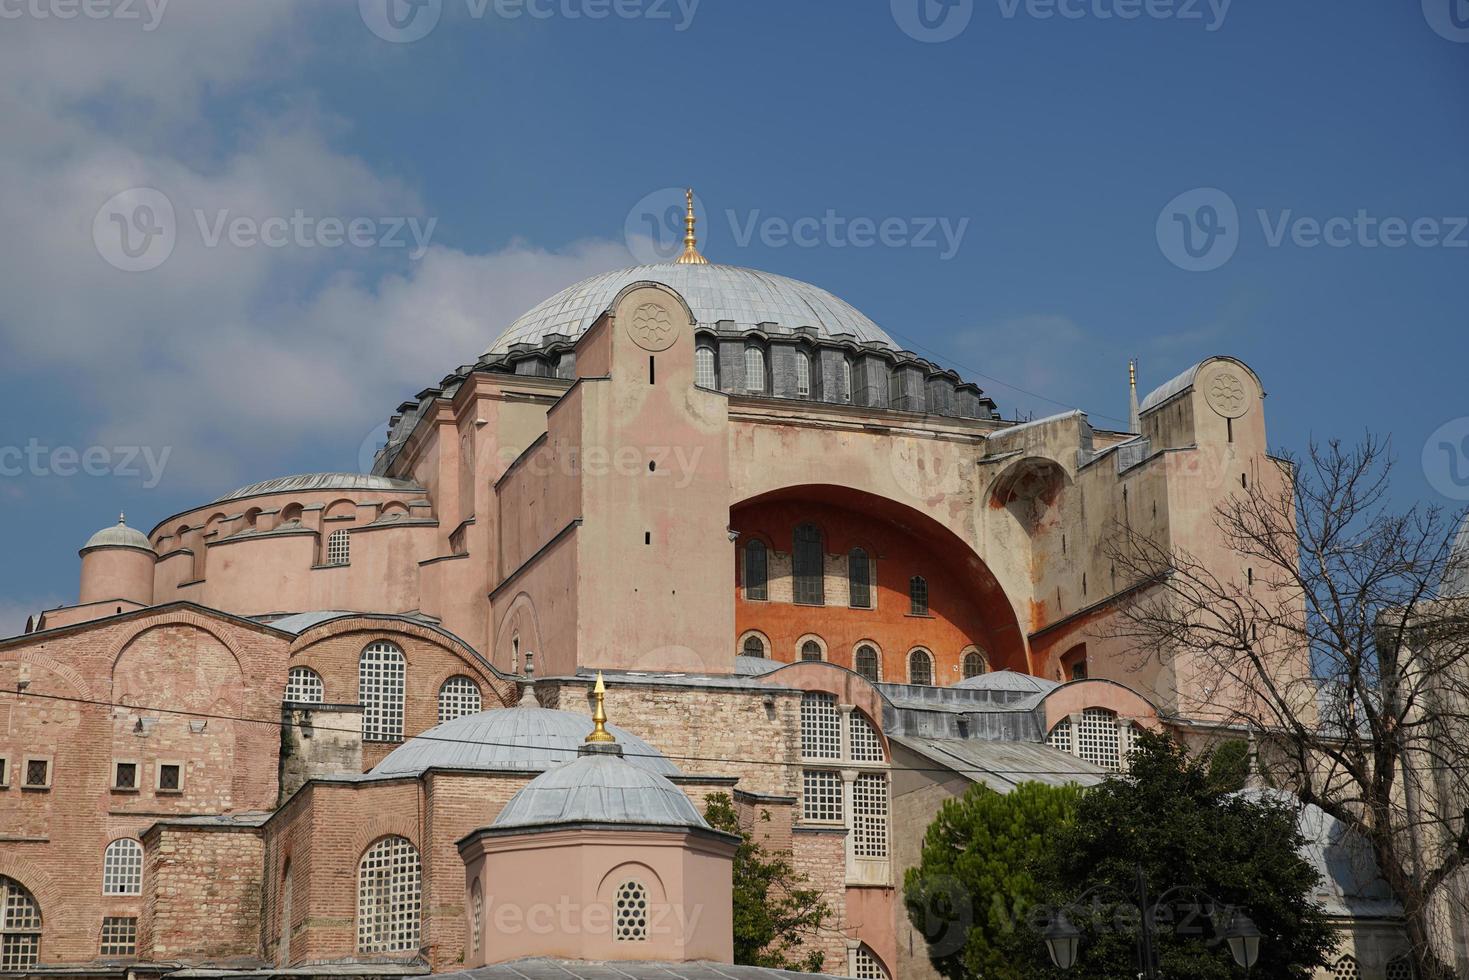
745	297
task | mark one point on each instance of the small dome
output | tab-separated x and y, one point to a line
514	739
746	297
600	788
119	535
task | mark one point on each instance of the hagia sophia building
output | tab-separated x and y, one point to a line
353	724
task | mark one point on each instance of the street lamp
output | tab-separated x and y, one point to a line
1244	940
1062	938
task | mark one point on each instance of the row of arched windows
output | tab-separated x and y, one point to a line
757	372
867	659
381	677
808	574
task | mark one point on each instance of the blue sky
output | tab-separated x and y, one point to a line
1054	142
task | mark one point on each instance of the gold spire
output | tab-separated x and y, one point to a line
690	254
599	715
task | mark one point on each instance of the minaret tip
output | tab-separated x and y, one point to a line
690	254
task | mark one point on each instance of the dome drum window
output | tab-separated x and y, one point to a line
706	368
339	548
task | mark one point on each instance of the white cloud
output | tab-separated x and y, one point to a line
223	354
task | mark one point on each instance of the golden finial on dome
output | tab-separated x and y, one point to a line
690	254
599	731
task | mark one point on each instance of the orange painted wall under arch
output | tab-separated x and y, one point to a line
956	618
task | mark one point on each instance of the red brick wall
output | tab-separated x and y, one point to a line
956	620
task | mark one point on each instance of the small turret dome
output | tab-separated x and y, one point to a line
118	535
601	788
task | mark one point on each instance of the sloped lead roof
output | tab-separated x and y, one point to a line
1004	765
321	481
515	739
747	297
601	789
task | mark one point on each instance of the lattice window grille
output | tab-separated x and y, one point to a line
1097	739
477	913
973	665
754	369
867	663
866	967
339	548
1400	969
821	728
631	906
304	685
458	697
380	689
119	935
920	668
809	566
803	376
859	580
918	595
20	926
870	816
757	580
122	868
1346	969
821	796
1060	737
864	744
389	896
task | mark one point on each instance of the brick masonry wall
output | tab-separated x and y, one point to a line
821	856
202	894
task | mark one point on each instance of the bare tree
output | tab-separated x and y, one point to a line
1324	629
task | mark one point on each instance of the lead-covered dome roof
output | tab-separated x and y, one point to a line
118	535
601	788
746	297
511	739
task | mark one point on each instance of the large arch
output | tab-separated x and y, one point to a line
849	517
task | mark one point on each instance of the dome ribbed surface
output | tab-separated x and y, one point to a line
118	536
601	789
746	297
514	739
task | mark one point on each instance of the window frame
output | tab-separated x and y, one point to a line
126	868
758	352
758	637
877	656
801	593
398	938
132	932
803	374
764	588
35	932
137	785
25	773
810	640
5	768
338	557
865	563
316	679
630	925
920	597
460	696
713	363
385	725
927	654
158	768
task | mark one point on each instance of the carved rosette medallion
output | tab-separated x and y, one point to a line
1227	394
652	327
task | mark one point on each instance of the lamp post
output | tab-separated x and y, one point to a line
1063	938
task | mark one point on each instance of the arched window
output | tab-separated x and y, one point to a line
389	894
20	926
459	696
920	668
304	685
809	566
631	908
867	664
811	650
122	868
339	548
754	646
973	664
865	965
846	392
821	730
380	675
1346	969
706	374
859	580
1097	738
862	738
756	577
803	375
918	596
1060	737
754	369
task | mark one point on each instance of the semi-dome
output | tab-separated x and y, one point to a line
118	535
600	788
511	739
745	297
